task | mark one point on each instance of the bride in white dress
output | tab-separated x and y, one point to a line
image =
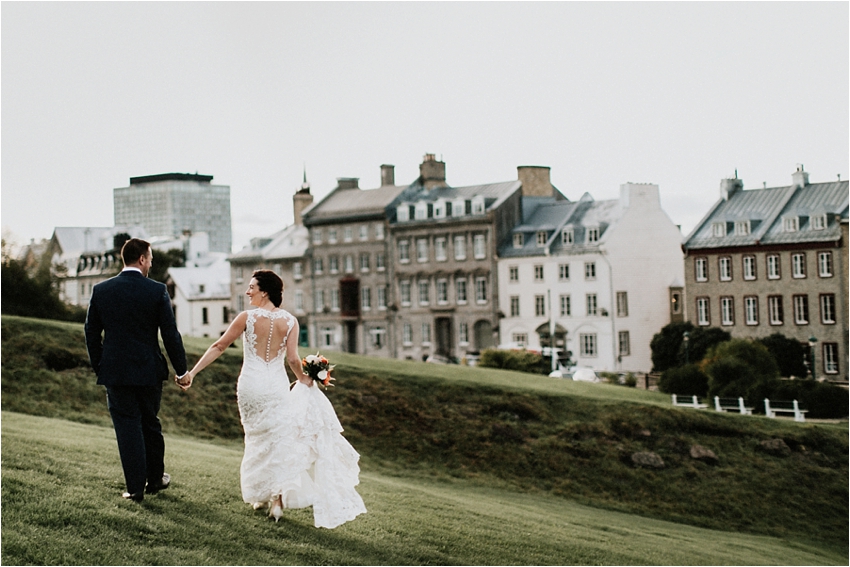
295	455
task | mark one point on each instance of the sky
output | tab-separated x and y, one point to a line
681	95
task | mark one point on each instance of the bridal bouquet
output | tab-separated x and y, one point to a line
318	368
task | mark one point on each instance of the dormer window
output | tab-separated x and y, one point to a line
567	237
458	208
593	235
439	209
347	233
421	211
518	240
541	238
742	227
403	213
819	222
718	229
791	224
478	205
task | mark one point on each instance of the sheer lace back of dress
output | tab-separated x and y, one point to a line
266	333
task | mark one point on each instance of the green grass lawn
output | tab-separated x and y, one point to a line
61	504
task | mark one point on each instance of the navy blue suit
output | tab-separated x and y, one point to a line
125	316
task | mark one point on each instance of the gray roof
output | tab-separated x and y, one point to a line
352	203
77	240
766	210
214	278
291	242
494	194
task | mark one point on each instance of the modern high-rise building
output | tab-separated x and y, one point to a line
171	204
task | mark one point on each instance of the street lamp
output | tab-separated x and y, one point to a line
812	342
686	336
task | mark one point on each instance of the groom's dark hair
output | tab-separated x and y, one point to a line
270	283
134	249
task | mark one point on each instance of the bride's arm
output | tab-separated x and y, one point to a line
292	356
236	328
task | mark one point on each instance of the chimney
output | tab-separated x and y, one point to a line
535	181
387	175
799	178
432	173
348	182
729	187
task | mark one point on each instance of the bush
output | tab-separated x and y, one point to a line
788	353
520	360
685	380
669	349
823	400
740	367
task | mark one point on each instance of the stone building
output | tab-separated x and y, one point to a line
774	260
602	276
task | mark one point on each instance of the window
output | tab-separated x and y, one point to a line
590	270
225	315
830	358
364	262
347	234
333	264
366	298
404	292
442	291
539	305
566	310
463	334
827	308
379	337
426	333
513	274
297	271
742	227
541	238
825	264
751	309
477	205
675	303
424	292
317	236
380	262
588	344
701	269
299	300
335	299
460	285
773	267
318	265
421	211
749	267
407	334
622	304
201	288
403	251
460	247
332	235
590	303
521	339
791	224
239	274
718	229
774	309
592	236
422	250
625	347
727	311
481	290
725	268
319	301
403	213
440	249
801	309
439	209
379	232
327	334
458	208
567	237
538	273
819	222
514	306
703	315
382	297
349	264
364	232
563	272
479	246
798	265
205	316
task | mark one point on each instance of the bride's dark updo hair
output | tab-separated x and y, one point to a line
270	283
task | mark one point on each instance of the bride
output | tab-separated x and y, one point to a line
295	455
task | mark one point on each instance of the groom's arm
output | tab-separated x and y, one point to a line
94	334
170	335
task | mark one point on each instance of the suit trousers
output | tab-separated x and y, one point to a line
141	446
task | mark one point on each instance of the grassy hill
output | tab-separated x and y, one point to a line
497	430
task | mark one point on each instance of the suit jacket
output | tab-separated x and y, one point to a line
124	315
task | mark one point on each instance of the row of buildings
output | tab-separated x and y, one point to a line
425	270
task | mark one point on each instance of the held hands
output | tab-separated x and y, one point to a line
185	381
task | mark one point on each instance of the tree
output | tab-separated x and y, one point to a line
669	349
687	380
788	353
740	367
162	261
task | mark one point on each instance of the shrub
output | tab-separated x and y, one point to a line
823	400
788	353
669	349
520	360
686	380
740	367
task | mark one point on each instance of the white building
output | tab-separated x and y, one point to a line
201	296
608	273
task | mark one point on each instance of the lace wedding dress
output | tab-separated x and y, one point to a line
293	441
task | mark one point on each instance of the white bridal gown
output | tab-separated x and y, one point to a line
293	441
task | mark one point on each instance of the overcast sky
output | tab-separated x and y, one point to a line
677	94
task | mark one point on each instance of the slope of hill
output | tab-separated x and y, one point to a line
502	429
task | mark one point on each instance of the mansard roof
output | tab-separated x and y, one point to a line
494	194
350	204
291	242
766	210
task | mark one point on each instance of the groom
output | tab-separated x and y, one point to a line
124	315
